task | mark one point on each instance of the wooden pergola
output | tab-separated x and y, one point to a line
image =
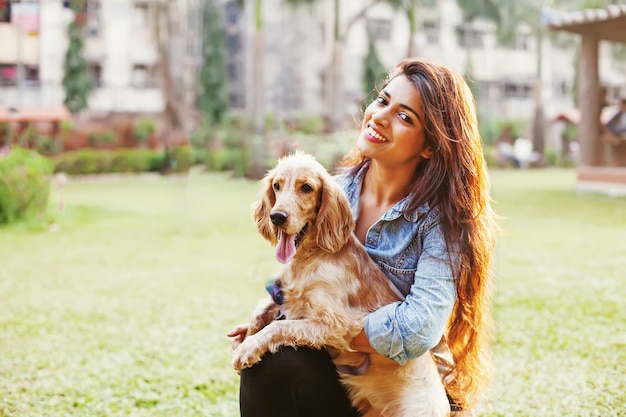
594	25
23	116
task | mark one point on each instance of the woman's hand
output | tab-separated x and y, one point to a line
237	334
361	343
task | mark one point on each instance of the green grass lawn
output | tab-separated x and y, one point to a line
124	310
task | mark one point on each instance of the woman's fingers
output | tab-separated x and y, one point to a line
237	335
238	329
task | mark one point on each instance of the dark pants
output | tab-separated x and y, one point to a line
299	382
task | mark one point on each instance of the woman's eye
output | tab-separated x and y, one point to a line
276	186
406	118
307	188
381	100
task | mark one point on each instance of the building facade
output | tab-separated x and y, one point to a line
120	48
123	55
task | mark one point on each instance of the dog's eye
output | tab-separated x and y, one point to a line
276	186
306	188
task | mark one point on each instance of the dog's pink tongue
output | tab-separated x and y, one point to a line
286	247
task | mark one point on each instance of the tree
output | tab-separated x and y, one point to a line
336	110
76	80
410	7
256	106
175	114
213	93
373	72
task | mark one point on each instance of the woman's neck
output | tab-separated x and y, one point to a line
385	187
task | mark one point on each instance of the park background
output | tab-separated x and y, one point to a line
133	135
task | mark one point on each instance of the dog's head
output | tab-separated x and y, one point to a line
302	205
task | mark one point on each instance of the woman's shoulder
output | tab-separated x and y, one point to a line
348	177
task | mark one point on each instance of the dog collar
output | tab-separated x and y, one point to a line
275	290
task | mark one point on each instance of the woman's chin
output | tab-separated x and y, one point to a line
365	146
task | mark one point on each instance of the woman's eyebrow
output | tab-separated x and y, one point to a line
402	105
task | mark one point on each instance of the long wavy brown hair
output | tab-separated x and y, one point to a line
454	180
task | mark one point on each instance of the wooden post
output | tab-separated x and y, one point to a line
591	147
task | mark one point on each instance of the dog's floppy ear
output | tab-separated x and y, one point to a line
262	208
334	222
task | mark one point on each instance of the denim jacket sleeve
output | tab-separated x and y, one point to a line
411	250
406	330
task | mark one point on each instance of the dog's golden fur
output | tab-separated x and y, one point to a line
329	286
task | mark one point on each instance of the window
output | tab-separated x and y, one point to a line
431	33
521	42
95	73
379	29
560	89
513	90
94	14
31	75
143	76
5	11
141	16
232	13
8	74
470	38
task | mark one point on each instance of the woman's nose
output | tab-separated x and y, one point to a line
380	117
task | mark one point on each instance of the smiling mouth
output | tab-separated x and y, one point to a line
376	135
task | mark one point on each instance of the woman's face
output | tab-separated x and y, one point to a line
393	126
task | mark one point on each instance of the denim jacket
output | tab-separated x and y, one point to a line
410	249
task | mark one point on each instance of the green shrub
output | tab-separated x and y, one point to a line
229	159
94	161
24	184
490	156
309	124
28	136
179	158
88	161
128	160
108	138
93	138
143	129
5	133
47	145
200	156
156	161
66	125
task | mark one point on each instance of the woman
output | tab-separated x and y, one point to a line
419	192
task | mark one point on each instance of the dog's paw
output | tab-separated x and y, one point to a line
245	355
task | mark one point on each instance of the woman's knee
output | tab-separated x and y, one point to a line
300	381
289	364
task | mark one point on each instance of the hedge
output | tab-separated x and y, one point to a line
98	161
24	184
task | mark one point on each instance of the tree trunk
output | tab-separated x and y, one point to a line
538	123
337	110
257	68
174	110
412	48
334	84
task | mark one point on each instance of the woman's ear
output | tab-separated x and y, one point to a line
427	153
262	208
334	222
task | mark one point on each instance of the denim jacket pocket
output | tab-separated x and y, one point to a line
401	278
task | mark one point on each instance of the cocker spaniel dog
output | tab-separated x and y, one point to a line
329	284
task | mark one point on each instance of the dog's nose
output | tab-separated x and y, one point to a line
278	217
